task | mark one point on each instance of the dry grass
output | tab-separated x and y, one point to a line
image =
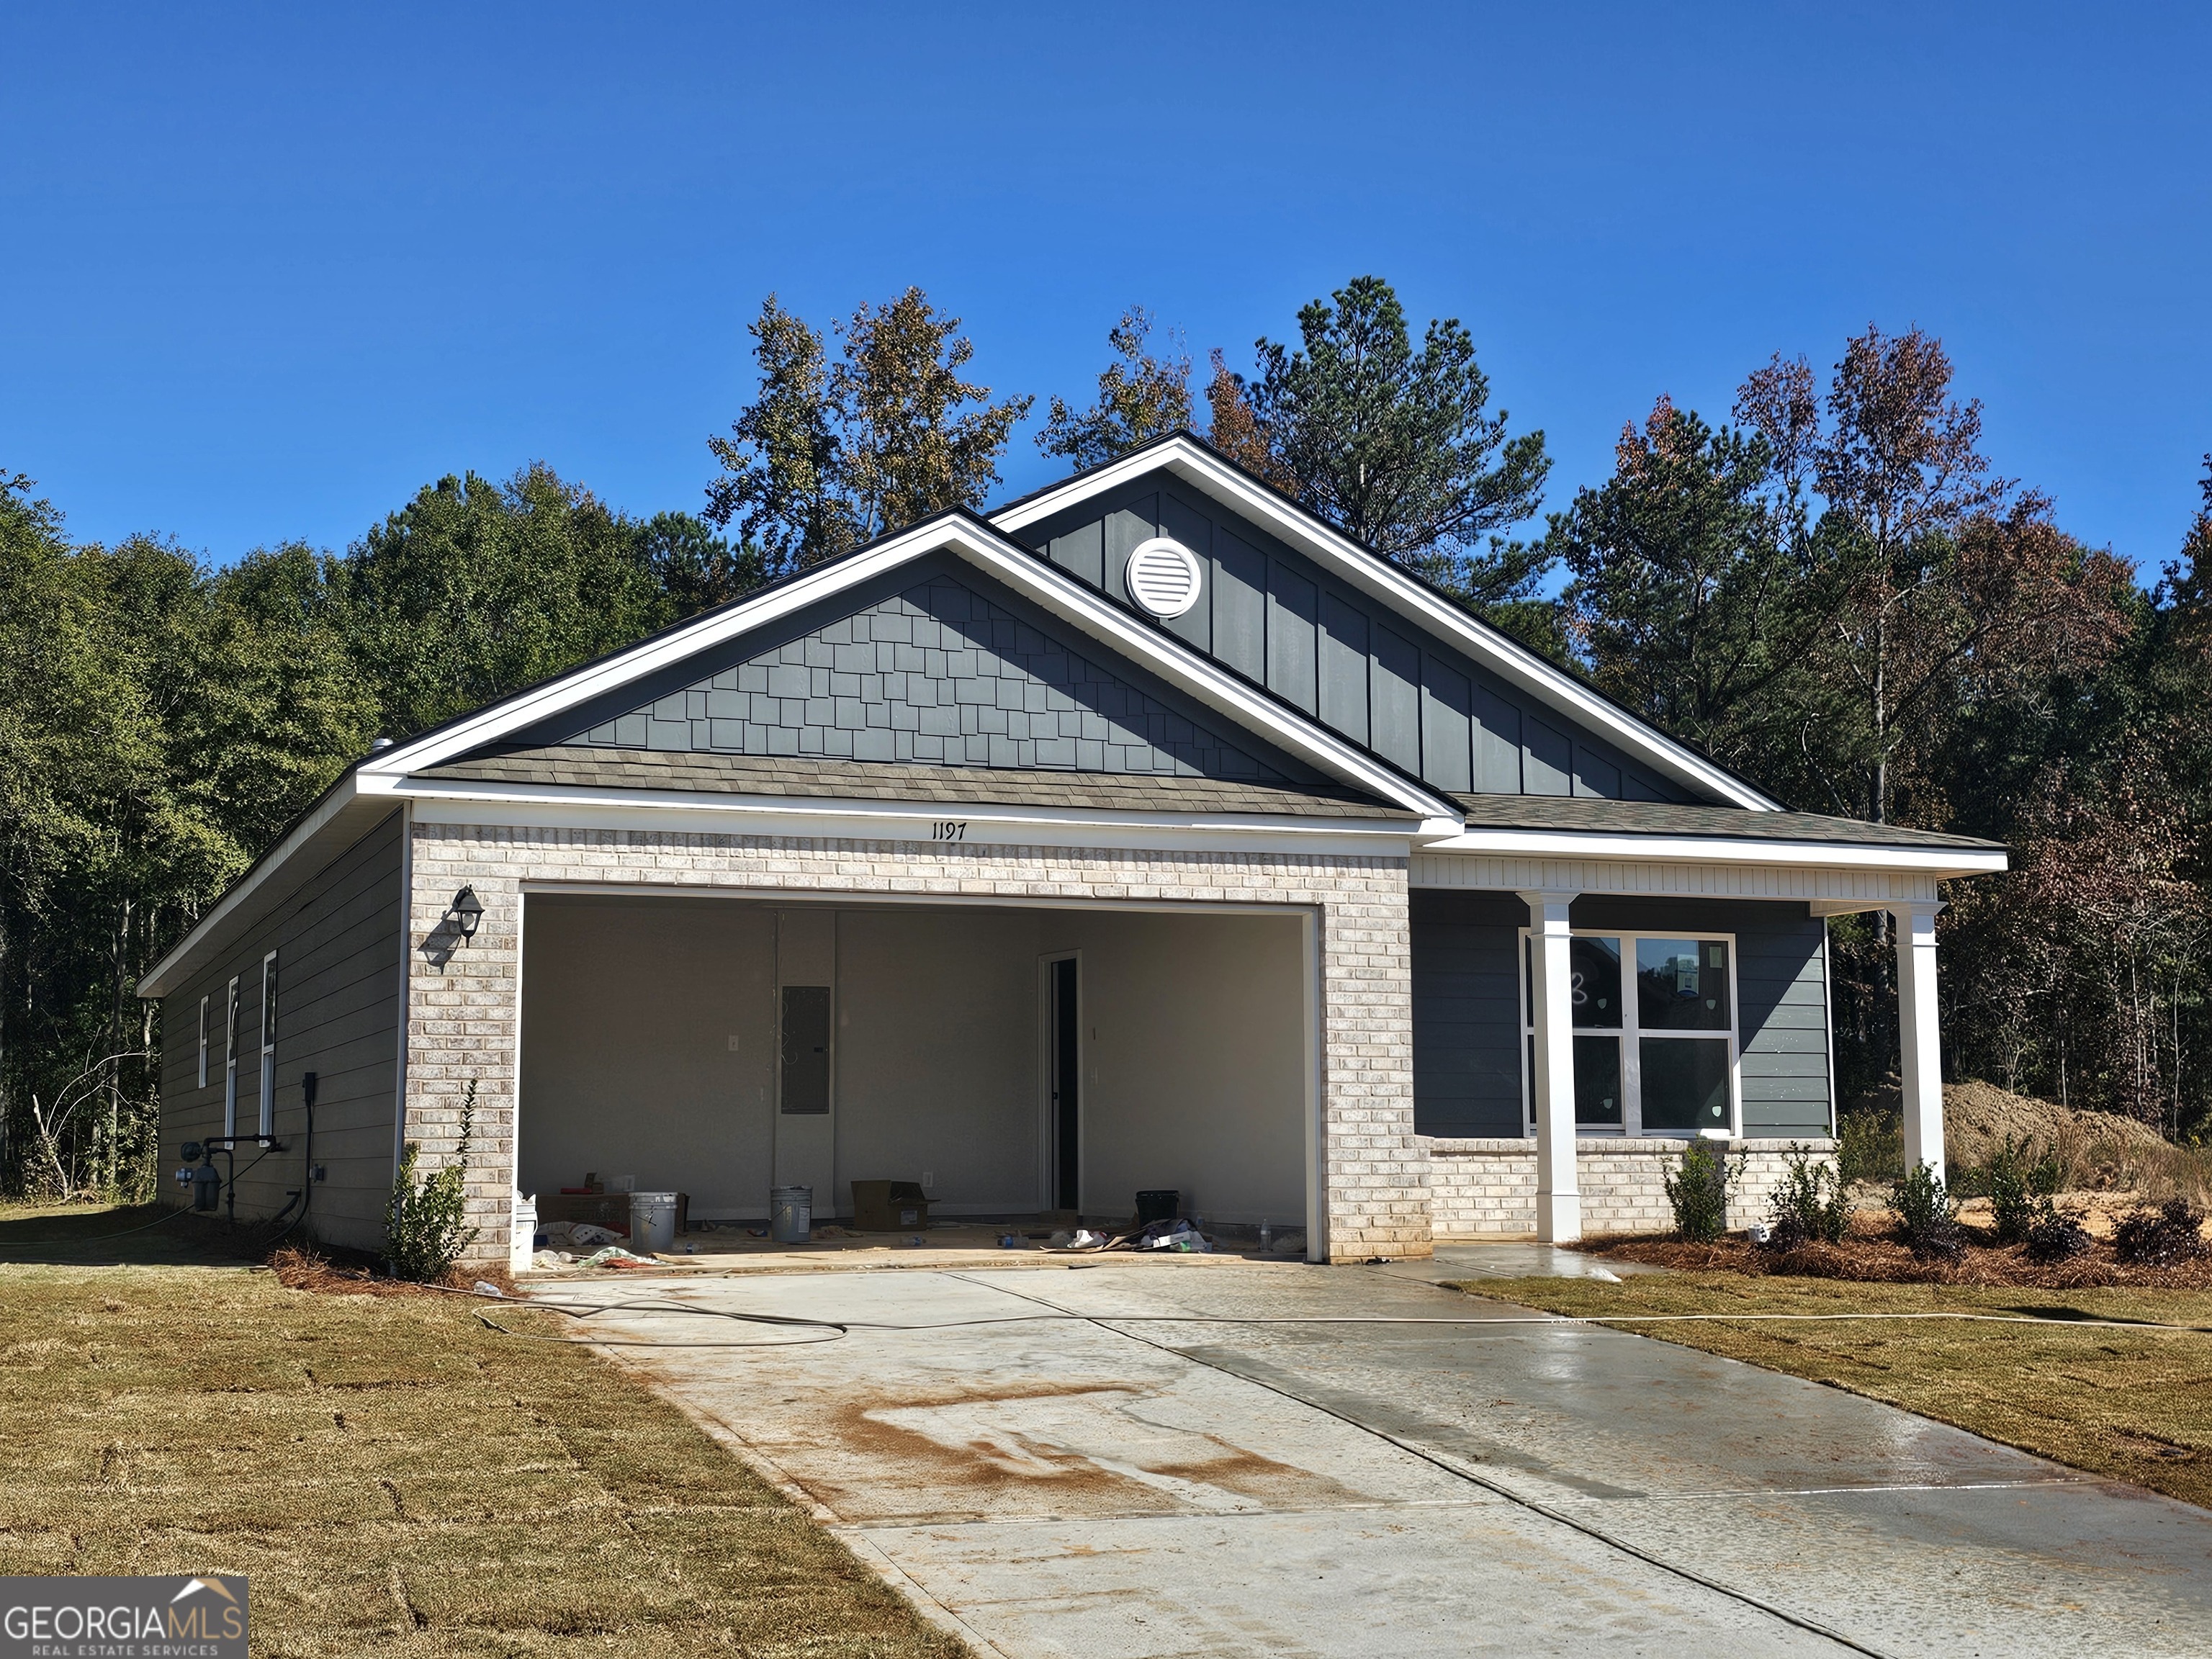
389	1474
2136	1406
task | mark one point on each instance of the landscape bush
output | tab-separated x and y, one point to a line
2051	1238
426	1219
1927	1216
1809	1204
1870	1144
2162	1237
1698	1190
2013	1180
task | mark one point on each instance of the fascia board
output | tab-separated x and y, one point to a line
1575	846
552	806
1384	582
977	544
158	981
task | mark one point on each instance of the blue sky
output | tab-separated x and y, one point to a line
269	269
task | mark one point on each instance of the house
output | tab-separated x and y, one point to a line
1146	834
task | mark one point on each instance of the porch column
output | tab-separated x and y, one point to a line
1920	1059
1558	1193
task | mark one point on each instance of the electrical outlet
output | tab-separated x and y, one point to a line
928	1180
733	1045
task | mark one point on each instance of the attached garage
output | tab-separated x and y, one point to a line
1012	1059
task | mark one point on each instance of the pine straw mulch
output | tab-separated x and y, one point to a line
351	1272
1870	1259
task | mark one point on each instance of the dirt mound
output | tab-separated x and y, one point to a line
1978	1117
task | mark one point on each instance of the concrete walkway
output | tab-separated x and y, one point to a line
1145	1480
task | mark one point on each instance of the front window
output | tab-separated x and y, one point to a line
1657	1056
268	1044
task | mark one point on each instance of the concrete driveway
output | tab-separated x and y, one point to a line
1107	1467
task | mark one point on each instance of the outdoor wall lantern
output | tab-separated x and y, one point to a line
465	912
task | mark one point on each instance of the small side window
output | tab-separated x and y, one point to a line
230	1060
268	1044
202	1083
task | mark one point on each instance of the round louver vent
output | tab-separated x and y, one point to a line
1164	577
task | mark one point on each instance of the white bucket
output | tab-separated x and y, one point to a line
522	1235
652	1221
790	1214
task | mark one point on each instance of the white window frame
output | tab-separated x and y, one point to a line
230	1061
269	998
202	1083
1630	1033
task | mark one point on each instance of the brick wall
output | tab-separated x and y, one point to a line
463	1011
1487	1189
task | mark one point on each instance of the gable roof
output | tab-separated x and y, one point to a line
978	543
1192	461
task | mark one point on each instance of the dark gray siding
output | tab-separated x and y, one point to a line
1468	1042
339	959
1278	618
937	673
932	664
1467	1022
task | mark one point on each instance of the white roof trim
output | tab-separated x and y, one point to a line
343	794
1036	579
1615	848
464	801
1380	580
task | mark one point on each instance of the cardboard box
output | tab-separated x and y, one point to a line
889	1207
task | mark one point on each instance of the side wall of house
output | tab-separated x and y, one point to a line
1468	1032
339	946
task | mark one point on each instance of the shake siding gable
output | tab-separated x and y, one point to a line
338	945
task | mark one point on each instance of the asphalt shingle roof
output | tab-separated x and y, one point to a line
811	777
1636	817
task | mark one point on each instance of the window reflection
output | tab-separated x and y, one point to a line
1681	985
1594	977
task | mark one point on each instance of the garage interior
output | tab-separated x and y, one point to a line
1016	1062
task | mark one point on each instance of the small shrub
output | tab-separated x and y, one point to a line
1869	1145
1927	1218
2162	1237
1809	1203
2013	1179
426	1227
2051	1238
1698	1190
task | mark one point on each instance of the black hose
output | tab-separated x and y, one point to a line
307	1193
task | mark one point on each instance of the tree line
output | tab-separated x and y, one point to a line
1829	589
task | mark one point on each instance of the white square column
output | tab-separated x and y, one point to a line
1920	1056
1551	992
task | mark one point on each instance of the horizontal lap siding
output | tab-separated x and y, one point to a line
1468	1040
338	952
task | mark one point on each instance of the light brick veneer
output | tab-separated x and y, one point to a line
1487	1189
463	1011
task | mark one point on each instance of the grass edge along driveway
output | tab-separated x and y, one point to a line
392	1475
2133	1405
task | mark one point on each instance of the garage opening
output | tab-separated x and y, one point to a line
1017	1063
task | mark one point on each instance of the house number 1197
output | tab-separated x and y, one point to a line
949	829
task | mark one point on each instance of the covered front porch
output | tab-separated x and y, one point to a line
1579	1018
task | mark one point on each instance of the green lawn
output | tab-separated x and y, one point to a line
389	1473
2137	1406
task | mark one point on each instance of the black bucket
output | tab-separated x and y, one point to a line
1161	1204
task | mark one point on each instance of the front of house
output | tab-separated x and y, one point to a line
1149	833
